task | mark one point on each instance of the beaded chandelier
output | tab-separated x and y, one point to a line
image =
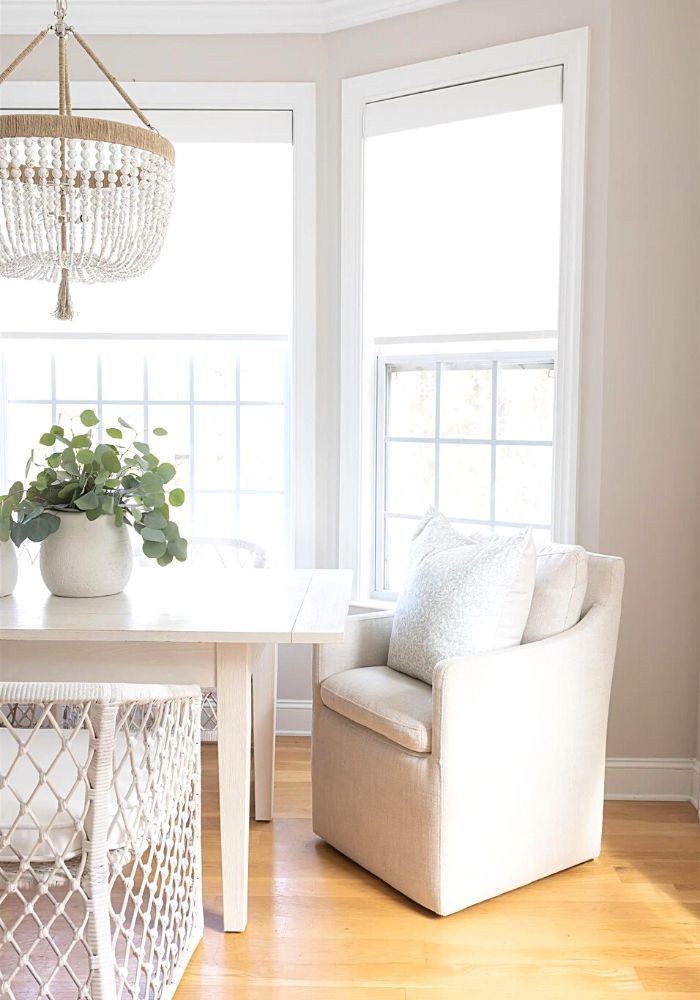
80	198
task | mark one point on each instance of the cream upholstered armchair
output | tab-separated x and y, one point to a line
487	781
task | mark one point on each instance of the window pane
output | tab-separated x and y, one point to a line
27	371
28	421
169	373
465	481
122	371
215	447
175	447
262	448
525	404
215	371
214	515
263	522
465	403
76	372
524	484
263	375
133	414
462	226
410	477
411	402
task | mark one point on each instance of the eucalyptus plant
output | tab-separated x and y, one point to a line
119	478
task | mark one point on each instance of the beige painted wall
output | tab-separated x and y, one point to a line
639	429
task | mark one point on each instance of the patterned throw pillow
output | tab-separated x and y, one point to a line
462	595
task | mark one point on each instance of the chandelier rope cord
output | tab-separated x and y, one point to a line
82	198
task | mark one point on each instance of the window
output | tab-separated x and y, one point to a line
466	258
204	344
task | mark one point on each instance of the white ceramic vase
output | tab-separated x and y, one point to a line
86	558
8	568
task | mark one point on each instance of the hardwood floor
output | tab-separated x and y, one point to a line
321	928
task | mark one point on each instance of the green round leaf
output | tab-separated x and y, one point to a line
38	528
108	458
89	501
154	550
89	418
85	456
177	497
178	548
69	490
114	432
160	431
154	519
166	471
81	441
48	439
153	535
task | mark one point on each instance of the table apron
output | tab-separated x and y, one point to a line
135	662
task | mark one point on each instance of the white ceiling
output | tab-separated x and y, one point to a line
204	17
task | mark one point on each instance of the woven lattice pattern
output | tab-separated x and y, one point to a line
100	865
239	555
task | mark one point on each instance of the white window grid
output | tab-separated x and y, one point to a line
388	364
57	405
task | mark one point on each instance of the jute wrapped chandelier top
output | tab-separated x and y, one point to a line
80	198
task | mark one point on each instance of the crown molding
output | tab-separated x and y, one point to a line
206	17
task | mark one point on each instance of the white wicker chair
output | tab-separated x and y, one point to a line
100	862
237	554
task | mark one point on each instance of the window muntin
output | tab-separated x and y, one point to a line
445	439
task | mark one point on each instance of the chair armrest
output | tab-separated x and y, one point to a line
366	644
530	702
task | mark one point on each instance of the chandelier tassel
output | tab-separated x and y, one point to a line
64	306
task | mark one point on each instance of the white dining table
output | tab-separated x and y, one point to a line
217	630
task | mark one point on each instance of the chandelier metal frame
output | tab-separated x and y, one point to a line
81	197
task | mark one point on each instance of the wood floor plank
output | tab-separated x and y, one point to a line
321	928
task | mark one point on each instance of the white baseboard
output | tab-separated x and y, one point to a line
293	717
670	779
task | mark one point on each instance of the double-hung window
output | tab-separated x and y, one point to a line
460	275
200	345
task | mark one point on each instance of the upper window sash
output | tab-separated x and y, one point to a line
499	95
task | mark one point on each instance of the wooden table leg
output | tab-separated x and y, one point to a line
233	675
264	724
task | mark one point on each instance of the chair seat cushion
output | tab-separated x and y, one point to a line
387	702
51	825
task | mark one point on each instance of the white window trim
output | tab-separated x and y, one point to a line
357	434
300	99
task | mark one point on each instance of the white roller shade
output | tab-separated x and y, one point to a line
517	92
